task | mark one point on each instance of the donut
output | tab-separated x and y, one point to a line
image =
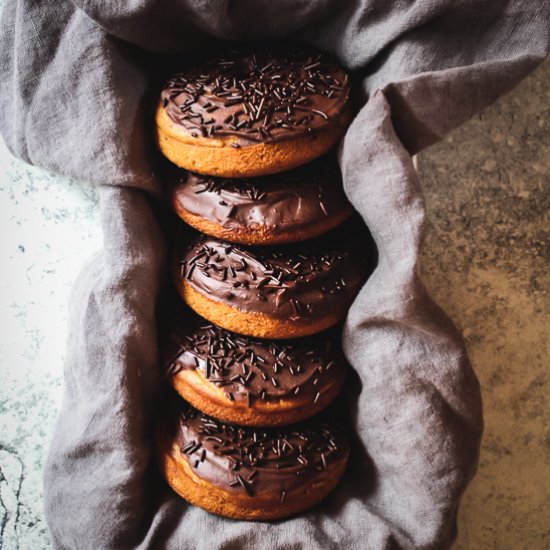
245	472
249	381
253	112
273	292
283	208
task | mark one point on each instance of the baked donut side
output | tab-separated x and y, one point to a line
261	234
259	325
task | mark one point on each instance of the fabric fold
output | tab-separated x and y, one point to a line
95	486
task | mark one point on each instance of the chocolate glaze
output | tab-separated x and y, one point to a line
248	368
261	94
284	203
245	460
302	282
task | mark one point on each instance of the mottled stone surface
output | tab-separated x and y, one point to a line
49	227
486	261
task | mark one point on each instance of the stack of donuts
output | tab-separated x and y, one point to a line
269	261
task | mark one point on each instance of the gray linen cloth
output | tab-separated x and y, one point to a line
74	81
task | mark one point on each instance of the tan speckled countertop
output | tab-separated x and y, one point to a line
487	262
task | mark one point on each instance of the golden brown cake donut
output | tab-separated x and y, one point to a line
249	473
249	381
274	292
283	208
253	112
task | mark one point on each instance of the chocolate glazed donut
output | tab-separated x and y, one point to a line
253	112
249	381
250	473
288	207
275	292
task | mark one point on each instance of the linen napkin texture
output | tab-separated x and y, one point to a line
75	85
